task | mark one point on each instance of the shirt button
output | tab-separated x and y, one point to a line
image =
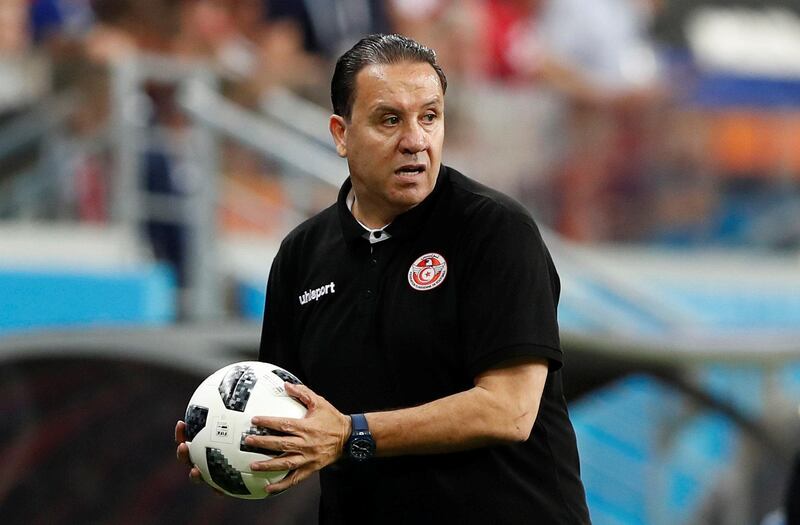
373	261
368	293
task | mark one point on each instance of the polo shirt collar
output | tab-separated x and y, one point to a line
402	226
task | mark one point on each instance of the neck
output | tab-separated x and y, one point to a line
370	220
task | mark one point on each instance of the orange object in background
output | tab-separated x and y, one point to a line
252	203
755	143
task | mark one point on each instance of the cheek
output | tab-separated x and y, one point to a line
437	142
373	148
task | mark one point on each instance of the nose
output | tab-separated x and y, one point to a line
414	139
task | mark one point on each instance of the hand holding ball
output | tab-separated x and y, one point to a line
218	419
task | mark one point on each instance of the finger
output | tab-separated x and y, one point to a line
180	432
292	479
283	425
182	454
286	462
195	476
273	444
302	393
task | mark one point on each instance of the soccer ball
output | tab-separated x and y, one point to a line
218	421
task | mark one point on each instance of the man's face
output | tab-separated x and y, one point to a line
393	139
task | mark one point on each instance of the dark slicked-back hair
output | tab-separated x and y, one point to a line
372	50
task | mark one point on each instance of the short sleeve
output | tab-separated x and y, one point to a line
508	293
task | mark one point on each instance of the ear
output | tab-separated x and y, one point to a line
338	128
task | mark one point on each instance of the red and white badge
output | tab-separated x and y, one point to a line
427	272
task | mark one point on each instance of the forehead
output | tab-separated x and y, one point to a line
403	83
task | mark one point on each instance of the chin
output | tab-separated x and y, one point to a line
410	198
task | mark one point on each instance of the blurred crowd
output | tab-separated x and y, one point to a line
572	106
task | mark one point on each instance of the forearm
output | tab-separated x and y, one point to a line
483	415
500	408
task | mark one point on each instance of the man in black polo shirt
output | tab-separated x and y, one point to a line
424	304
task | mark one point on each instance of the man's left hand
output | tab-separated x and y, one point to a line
309	444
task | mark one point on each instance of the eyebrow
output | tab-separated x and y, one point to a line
386	108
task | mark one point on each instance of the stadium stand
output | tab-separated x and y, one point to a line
684	364
80	276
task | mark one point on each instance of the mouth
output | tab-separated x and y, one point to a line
410	169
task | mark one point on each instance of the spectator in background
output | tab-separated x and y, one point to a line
13	27
231	34
23	76
611	71
255	53
212	29
449	26
595	53
110	38
599	58
24	79
329	27
604	41
151	24
57	18
511	40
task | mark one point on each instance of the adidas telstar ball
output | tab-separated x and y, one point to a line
218	421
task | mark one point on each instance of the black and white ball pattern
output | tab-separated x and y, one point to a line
218	419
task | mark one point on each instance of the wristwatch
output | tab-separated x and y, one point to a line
360	446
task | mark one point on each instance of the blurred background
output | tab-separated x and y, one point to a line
154	152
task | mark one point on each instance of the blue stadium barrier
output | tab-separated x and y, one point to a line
740	386
251	298
735	305
726	90
788	381
640	461
702	449
50	299
617	436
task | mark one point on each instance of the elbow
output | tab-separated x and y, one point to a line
521	429
517	428
509	419
521	417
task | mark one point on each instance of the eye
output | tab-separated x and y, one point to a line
391	120
429	117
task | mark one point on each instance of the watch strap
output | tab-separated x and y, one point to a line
359	424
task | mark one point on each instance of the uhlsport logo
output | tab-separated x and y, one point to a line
427	272
315	294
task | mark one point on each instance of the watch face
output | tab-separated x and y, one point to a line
362	448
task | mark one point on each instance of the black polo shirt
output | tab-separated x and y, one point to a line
463	283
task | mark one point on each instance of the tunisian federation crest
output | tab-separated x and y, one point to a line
427	272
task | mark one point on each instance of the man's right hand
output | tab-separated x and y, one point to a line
182	453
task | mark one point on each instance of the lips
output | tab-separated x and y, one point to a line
410	169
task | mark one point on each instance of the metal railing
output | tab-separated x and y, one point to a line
211	117
36	129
